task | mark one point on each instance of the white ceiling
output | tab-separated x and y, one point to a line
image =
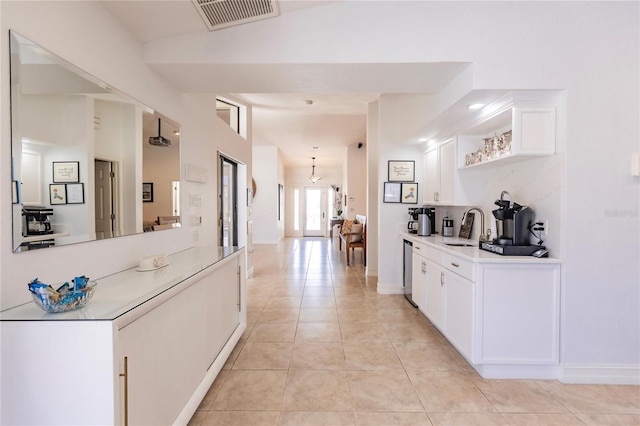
281	117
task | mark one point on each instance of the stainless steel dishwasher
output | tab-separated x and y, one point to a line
406	274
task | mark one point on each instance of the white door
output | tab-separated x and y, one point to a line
105	201
315	217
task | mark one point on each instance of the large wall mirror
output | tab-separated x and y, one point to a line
87	162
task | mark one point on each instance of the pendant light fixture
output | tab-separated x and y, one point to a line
313	178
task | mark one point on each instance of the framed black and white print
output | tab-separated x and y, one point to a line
75	193
147	192
391	192
66	171
409	193
15	194
401	171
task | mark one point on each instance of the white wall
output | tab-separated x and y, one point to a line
356	189
120	63
266	171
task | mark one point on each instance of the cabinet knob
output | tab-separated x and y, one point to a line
455	264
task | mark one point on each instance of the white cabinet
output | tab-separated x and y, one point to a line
166	358
439	174
458	311
174	329
418	277
501	313
435	295
530	116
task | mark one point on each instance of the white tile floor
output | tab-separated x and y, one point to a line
323	348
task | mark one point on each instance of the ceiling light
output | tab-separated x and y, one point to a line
474	107
313	178
423	140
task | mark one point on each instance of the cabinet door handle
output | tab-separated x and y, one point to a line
126	390
455	264
441	279
239	289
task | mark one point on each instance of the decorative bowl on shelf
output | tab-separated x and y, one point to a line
65	298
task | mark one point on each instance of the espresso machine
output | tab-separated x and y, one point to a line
513	227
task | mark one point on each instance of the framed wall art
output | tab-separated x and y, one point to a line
401	171
66	171
391	192
57	194
147	192
15	194
409	193
75	193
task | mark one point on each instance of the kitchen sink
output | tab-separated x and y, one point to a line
460	244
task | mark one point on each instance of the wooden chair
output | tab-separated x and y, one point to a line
354	238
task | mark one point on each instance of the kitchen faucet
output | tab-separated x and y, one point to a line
483	236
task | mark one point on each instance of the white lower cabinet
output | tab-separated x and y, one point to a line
458	309
435	295
150	365
502	316
419	277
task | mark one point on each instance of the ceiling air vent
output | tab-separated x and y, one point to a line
219	14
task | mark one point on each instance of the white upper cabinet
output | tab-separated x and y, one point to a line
521	126
439	174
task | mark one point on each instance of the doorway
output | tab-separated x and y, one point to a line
315	216
228	196
105	202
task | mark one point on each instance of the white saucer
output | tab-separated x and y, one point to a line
151	269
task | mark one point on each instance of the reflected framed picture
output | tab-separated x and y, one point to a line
57	194
66	171
401	171
409	193
147	192
391	192
75	193
15	195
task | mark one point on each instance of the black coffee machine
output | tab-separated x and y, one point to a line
513	226
415	212
36	221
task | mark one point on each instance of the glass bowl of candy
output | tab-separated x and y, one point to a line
68	296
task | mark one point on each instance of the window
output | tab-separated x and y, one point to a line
229	113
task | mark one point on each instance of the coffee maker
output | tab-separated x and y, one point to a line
513	227
36	221
423	221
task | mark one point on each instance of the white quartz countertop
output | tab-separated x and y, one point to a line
117	294
472	253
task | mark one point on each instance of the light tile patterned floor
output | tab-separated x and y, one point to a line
323	348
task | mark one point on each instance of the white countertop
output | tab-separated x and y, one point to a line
472	253
117	294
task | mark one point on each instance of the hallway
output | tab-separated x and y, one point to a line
323	348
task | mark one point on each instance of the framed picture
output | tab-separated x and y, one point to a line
147	192
402	171
75	193
391	192
410	193
66	171
57	194
15	197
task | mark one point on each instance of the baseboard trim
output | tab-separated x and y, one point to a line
600	374
390	288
